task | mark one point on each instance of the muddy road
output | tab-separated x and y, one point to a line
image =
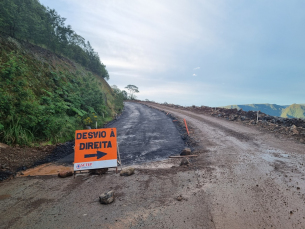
242	178
258	180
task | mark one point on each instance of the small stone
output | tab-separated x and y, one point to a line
298	188
184	161
186	151
179	198
65	174
127	172
107	197
293	127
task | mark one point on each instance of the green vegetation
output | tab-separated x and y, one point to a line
30	21
292	111
46	97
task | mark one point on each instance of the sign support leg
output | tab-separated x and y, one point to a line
119	156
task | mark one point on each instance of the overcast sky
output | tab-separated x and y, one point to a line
206	52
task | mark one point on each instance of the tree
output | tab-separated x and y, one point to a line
132	90
29	20
124	93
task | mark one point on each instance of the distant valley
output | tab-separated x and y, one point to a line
285	111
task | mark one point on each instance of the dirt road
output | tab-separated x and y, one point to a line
242	178
258	180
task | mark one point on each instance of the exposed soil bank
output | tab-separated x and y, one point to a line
17	159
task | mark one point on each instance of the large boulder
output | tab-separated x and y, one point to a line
107	197
127	172
185	152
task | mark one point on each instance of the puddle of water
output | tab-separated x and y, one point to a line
272	155
165	164
268	157
46	169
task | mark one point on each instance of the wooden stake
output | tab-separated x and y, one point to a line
257	117
119	156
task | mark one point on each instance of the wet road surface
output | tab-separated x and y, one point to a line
146	134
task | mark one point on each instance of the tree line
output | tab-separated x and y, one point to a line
31	21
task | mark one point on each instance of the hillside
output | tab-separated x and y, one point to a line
292	111
270	109
46	97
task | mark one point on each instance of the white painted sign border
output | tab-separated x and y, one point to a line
95	164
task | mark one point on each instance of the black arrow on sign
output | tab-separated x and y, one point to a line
99	154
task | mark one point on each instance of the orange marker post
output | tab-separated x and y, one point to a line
188	133
95	148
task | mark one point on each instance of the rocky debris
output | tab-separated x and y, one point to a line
65	174
184	161
98	171
185	152
107	197
127	172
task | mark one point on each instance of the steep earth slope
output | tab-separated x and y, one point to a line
45	96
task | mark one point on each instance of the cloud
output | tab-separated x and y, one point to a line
154	42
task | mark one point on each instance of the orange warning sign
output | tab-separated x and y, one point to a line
96	148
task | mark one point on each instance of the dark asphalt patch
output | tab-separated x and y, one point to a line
146	134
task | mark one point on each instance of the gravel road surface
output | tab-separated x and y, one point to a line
242	178
259	180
